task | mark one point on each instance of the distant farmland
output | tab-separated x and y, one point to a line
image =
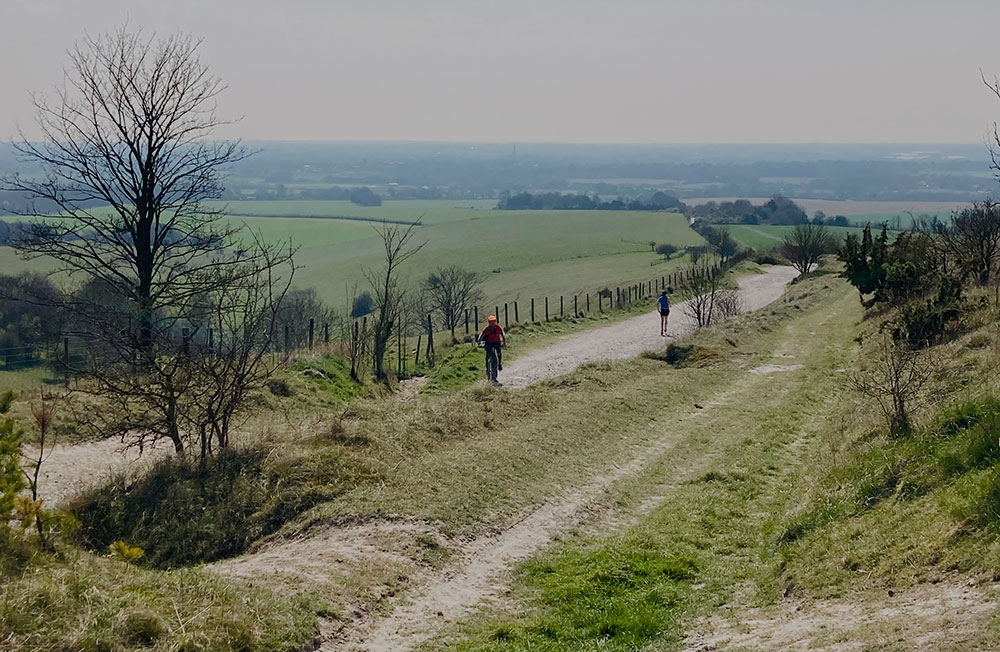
537	253
851	209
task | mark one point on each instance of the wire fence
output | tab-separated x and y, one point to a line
71	352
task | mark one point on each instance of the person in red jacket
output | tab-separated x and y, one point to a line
494	339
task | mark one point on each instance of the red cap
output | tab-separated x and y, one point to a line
491	318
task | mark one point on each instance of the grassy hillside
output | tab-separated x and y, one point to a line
742	472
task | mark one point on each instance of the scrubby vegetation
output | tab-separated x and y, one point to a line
916	496
184	512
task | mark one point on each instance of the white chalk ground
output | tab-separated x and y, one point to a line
632	337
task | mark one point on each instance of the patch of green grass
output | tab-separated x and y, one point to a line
768	236
908	492
29	378
428	211
618	597
460	366
327	376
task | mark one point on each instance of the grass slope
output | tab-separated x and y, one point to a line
696	520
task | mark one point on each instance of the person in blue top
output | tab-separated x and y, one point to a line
664	304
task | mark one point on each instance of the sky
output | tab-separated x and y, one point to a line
586	71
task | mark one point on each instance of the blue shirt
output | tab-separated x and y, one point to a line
664	303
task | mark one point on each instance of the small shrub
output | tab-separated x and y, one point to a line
124	552
185	512
16	552
142	628
685	355
979	341
923	323
279	387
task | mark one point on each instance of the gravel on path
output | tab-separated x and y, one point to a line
633	337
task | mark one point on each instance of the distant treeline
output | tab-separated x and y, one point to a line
658	201
778	210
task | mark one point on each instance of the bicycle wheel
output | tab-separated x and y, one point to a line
491	365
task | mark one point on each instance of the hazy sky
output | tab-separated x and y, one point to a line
661	71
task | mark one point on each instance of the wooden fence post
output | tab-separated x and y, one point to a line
416	354
326	333
288	339
506	322
532	309
466	321
576	311
355	346
475	309
561	313
517	320
312	326
66	361
430	342
588	303
546	308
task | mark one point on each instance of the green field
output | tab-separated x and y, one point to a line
905	219
763	237
429	211
520	254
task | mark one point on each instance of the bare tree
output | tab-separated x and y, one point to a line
804	245
994	141
451	290
387	290
723	243
696	252
353	330
128	163
729	303
702	306
236	358
298	308
896	377
972	240
128	160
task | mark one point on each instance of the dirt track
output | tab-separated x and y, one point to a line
480	573
630	338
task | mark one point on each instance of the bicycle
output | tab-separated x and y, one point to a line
492	363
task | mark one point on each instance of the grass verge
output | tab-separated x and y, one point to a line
70	600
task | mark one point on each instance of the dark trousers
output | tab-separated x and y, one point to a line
498	349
